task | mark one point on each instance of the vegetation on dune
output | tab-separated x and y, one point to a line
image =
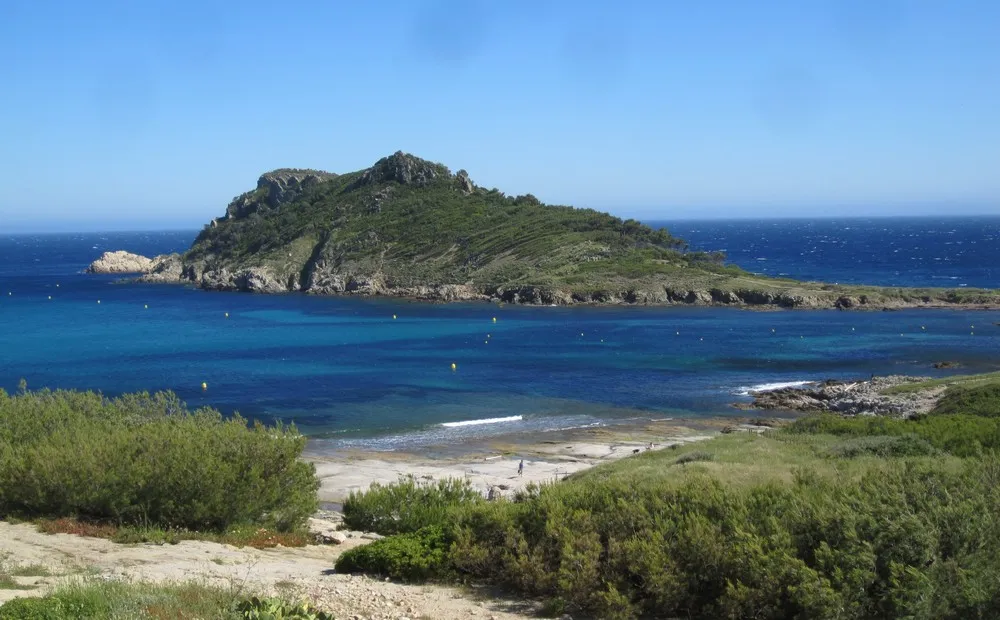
148	463
828	518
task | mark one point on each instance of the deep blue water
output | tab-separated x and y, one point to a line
949	252
344	368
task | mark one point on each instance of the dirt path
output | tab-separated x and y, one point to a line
296	572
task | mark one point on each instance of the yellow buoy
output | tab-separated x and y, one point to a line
494	319
394	317
454	365
204	386
227	315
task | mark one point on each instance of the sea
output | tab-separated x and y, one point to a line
382	374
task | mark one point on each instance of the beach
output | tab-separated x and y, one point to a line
548	457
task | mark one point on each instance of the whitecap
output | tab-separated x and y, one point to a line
513	418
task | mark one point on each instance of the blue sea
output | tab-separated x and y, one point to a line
353	376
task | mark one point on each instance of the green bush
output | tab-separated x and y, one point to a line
959	434
278	609
412	556
114	600
407	505
906	540
982	400
147	460
40	609
884	446
694	456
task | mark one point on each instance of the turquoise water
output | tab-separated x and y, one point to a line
345	370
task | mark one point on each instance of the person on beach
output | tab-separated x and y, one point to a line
520	468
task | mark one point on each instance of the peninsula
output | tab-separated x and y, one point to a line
407	227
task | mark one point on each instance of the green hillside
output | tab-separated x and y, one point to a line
410	227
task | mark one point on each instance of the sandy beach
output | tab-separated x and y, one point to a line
548	457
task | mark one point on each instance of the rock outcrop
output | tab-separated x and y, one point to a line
273	189
863	397
120	262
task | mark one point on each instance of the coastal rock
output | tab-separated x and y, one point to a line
251	280
121	262
849	398
166	268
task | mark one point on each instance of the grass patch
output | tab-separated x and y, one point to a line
30	570
238	536
958	381
694	456
114	600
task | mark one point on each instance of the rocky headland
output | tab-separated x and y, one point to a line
851	398
407	227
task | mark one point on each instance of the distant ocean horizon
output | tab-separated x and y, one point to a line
349	374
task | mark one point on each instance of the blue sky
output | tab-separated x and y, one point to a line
155	114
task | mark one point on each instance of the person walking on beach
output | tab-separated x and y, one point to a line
520	468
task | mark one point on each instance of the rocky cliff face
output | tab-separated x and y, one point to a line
274	188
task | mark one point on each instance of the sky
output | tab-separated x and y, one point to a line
142	115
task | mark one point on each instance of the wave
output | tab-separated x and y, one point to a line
770	387
513	418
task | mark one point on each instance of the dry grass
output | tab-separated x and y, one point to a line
250	536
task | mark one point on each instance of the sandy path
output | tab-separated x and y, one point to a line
298	572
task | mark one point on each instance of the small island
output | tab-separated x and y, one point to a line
407	227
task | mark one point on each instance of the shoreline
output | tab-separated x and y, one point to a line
697	300
493	462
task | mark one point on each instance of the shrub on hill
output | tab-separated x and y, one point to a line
147	460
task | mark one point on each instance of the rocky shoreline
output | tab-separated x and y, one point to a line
172	269
850	398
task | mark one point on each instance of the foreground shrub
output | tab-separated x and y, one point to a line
883	446
694	456
907	539
407	505
959	434
278	609
147	460
111	600
412	556
982	400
